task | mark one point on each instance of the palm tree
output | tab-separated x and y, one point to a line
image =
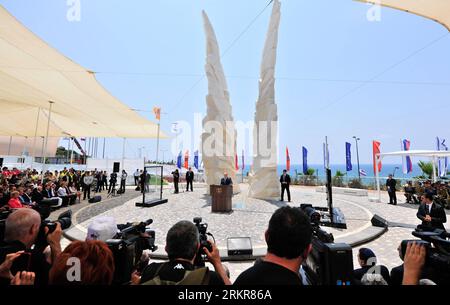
427	168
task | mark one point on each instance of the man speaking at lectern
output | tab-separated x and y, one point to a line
226	180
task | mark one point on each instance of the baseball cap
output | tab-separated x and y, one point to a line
102	228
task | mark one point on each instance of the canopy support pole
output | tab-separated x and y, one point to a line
377	176
157	142
9	146
34	140
104	142
434	169
46	139
71	152
123	153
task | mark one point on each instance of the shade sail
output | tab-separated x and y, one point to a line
437	10
32	74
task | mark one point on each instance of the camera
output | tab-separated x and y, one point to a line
127	248
113	178
203	234
437	262
329	263
65	220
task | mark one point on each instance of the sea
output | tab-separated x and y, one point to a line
387	169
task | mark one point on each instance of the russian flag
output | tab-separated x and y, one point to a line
407	163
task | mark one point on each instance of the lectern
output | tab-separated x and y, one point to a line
221	197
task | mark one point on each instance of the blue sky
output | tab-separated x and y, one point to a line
152	52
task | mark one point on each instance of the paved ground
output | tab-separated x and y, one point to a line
250	218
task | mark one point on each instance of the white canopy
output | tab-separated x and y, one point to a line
437	10
417	153
432	154
33	73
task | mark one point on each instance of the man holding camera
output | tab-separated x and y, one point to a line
112	182
288	241
182	247
22	229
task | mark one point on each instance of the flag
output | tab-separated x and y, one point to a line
442	162
305	160
179	160
407	163
288	160
348	156
243	161
196	159
186	159
236	162
376	150
157	112
363	172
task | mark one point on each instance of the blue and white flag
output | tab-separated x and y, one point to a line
305	160
348	156
179	160
196	159
363	172
443	162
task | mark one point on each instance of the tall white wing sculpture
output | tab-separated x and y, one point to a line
219	132
264	182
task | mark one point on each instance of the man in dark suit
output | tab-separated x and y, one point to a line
285	181
189	179
391	183
431	214
226	180
176	180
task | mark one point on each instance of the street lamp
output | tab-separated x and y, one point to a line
357	156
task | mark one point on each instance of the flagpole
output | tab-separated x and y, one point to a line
377	176
357	157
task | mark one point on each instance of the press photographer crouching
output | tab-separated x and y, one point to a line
182	247
37	242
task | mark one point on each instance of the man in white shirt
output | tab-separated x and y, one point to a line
136	175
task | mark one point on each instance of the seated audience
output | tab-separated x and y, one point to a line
14	201
288	241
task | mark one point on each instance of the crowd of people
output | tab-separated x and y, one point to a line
289	238
289	242
29	188
439	190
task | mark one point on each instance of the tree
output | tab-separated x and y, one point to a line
338	179
427	168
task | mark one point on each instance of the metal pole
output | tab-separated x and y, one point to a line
377	176
9	146
23	153
46	138
123	154
157	141
71	152
434	169
104	142
34	140
357	157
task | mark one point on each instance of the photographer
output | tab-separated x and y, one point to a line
182	247
288	241
112	182
21	232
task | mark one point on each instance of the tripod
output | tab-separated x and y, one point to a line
113	192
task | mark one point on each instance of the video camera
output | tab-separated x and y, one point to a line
203	233
127	248
437	262
328	263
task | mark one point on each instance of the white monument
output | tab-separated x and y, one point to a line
264	183
219	133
